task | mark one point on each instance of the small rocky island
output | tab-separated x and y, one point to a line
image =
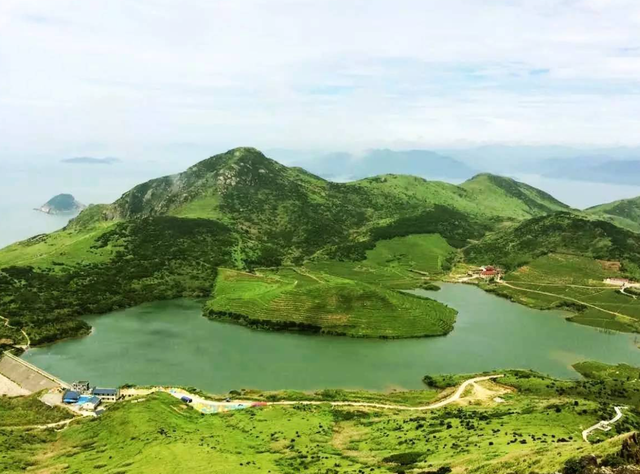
61	204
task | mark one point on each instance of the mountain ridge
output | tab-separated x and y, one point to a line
167	237
623	212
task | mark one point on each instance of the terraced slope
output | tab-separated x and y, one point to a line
297	299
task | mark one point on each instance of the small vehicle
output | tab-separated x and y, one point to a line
227	399
186	399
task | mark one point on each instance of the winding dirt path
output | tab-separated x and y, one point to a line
26	336
63	423
455	397
620	315
603	425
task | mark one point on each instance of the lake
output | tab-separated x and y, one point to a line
170	343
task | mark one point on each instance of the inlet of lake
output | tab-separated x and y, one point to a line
170	343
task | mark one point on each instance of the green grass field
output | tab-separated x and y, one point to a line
428	253
299	299
400	263
23	411
536	428
569	281
73	246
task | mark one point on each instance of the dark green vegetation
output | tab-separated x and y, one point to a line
155	258
167	238
536	428
558	233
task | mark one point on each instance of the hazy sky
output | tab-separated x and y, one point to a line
129	77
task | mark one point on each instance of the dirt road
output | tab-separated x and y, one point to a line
619	315
208	406
26	336
603	425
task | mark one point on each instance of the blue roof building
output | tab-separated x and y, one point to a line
70	396
91	404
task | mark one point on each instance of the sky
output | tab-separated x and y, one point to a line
138	79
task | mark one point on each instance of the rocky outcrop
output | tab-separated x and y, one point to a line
61	204
626	461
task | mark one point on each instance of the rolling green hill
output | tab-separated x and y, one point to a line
625	213
557	233
561	261
505	196
167	237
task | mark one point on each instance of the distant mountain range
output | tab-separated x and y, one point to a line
594	169
345	166
614	165
87	160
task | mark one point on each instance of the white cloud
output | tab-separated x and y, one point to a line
132	76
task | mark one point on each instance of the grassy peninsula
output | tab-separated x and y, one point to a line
297	299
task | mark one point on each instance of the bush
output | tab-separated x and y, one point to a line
404	459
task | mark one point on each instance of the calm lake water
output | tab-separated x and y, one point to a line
171	343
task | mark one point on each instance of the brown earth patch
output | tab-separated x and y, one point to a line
610	265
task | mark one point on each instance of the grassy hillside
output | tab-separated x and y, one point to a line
297	299
535	429
428	253
150	259
25	411
574	283
560	261
166	238
505	196
557	233
625	213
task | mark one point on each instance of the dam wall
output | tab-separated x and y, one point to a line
27	375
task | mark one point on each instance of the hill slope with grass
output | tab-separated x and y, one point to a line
166	238
625	213
562	261
557	233
534	427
